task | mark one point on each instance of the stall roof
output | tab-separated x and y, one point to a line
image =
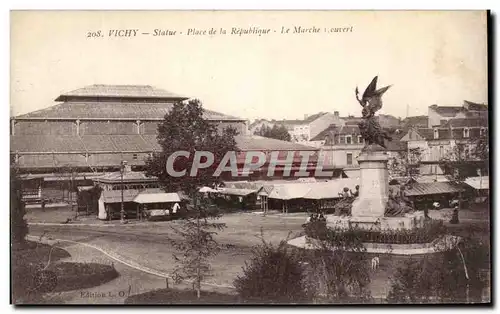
115	196
432	178
237	192
432	188
206	189
331	189
148	198
289	191
84	188
479	183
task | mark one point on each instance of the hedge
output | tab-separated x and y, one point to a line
431	231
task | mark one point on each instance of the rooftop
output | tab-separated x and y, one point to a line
469	105
128	143
128	176
447	111
416	121
121	91
307	120
466	122
94	110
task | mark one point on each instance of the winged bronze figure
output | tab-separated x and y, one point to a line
371	101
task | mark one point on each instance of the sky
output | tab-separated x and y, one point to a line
430	57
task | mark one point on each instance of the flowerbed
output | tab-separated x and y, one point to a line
73	276
431	231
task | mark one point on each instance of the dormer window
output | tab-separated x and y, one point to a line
466	132
360	139
436	134
482	132
348	139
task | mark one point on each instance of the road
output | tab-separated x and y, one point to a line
148	244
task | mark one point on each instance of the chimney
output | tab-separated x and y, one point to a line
306	116
336	113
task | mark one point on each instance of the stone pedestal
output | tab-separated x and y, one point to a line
369	208
374	184
407	222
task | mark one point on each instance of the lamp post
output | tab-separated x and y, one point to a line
122	211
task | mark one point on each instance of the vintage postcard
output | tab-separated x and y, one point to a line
249	157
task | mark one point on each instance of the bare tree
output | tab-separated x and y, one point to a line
196	245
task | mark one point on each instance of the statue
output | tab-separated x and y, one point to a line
369	127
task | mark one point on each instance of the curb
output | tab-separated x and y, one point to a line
128	263
73	224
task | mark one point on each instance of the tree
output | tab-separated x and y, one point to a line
19	226
339	263
459	164
406	164
197	245
277	132
273	275
184	129
450	276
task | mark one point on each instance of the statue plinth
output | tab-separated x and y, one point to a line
369	208
374	179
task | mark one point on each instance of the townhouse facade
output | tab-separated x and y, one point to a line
438	114
439	141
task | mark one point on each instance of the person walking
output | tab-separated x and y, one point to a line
454	218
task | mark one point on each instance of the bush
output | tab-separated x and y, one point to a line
274	275
428	233
27	261
440	277
173	296
73	276
19	226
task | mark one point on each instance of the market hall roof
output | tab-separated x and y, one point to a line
121	91
114	110
122	102
130	143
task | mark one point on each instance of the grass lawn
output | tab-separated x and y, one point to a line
146	244
50	215
174	296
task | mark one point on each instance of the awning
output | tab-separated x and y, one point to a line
148	198
331	189
84	188
207	189
290	191
115	196
237	192
432	178
479	183
420	189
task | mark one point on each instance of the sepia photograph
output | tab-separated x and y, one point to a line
249	157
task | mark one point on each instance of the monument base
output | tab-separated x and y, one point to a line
406	222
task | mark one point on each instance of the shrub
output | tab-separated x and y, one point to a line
19	226
338	266
440	277
426	234
173	296
274	275
73	276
